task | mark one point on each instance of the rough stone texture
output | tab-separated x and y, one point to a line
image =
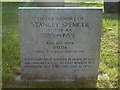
59	43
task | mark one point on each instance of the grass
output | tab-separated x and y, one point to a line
108	68
109	54
84	4
0	45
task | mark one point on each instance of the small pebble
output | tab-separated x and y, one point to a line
118	51
110	29
16	70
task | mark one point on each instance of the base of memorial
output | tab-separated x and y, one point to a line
18	78
84	82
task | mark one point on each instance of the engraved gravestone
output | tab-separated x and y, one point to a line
59	43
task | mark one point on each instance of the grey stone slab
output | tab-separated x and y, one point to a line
59	43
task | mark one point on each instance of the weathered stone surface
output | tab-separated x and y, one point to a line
59	43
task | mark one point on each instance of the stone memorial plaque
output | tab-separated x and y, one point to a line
59	43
